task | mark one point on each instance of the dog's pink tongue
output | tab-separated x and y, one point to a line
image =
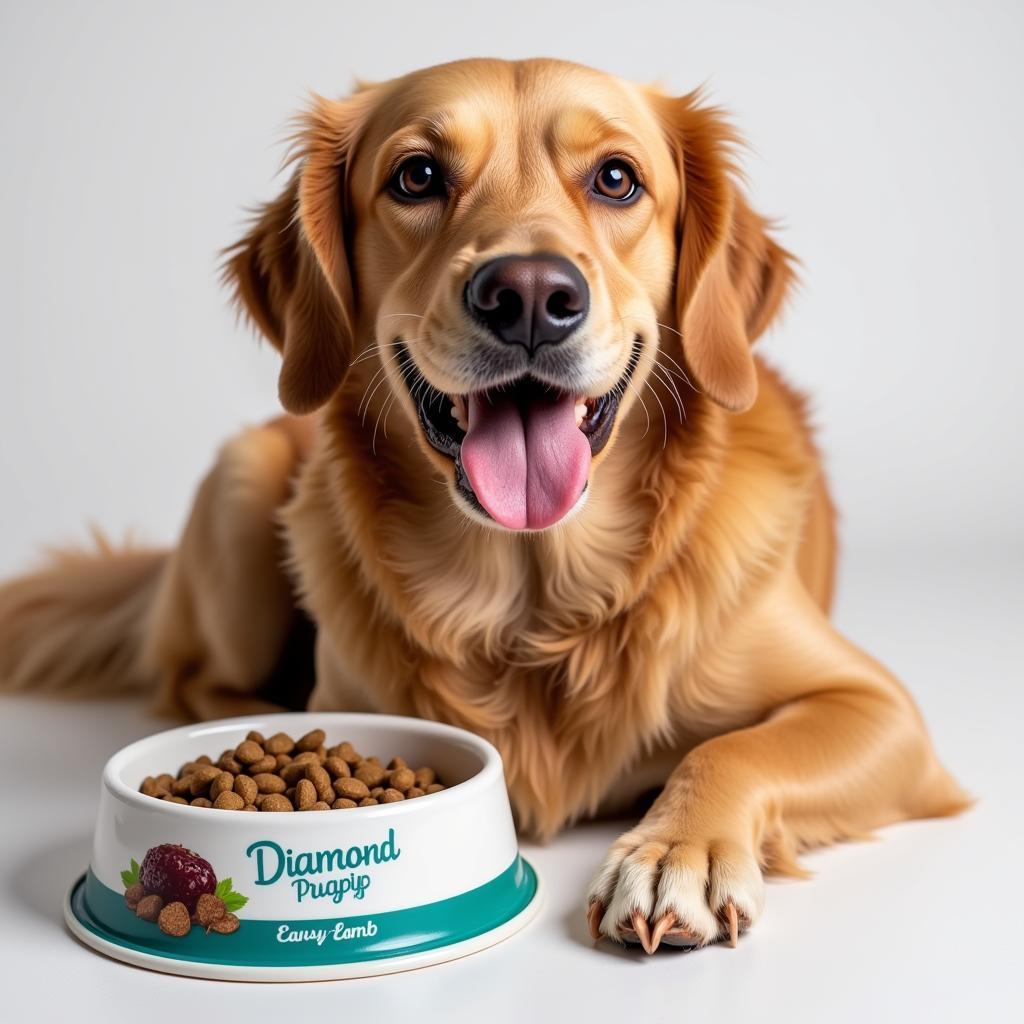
527	465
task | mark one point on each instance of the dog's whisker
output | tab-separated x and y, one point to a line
366	398
670	380
420	383
367	352
382	412
365	394
668	356
408	369
659	371
647	412
392	398
376	347
642	316
362	359
667	328
664	417
407	340
671	372
370	399
370	349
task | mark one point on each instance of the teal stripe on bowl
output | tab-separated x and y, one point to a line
341	940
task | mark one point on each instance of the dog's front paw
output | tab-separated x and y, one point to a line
679	890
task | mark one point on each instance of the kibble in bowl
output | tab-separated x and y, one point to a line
298	775
302	846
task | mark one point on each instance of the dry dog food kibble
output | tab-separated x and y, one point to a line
175	920
209	910
225	925
149	907
283	774
133	894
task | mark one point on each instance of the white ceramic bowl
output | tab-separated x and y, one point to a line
330	894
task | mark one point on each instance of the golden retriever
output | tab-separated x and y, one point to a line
535	484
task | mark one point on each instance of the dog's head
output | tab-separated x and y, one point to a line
505	243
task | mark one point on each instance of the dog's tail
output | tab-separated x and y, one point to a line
77	624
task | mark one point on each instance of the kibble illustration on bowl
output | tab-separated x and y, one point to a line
175	889
423	866
282	774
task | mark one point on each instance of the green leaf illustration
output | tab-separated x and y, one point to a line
131	876
234	901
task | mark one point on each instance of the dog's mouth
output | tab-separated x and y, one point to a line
522	449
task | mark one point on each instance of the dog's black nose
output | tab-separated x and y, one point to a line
529	300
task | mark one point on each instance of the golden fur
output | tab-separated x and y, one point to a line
673	633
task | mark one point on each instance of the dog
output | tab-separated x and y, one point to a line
533	482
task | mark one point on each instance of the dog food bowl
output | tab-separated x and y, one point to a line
330	894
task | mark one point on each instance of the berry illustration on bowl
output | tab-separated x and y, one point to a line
175	889
177	875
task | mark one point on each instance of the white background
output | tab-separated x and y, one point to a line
887	137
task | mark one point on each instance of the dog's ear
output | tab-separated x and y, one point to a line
732	277
291	274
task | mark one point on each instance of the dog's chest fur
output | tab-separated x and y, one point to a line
570	651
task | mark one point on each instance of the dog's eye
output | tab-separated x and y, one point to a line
419	177
616	180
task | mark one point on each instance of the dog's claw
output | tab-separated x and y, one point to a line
662	925
643	931
734	923
594	914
